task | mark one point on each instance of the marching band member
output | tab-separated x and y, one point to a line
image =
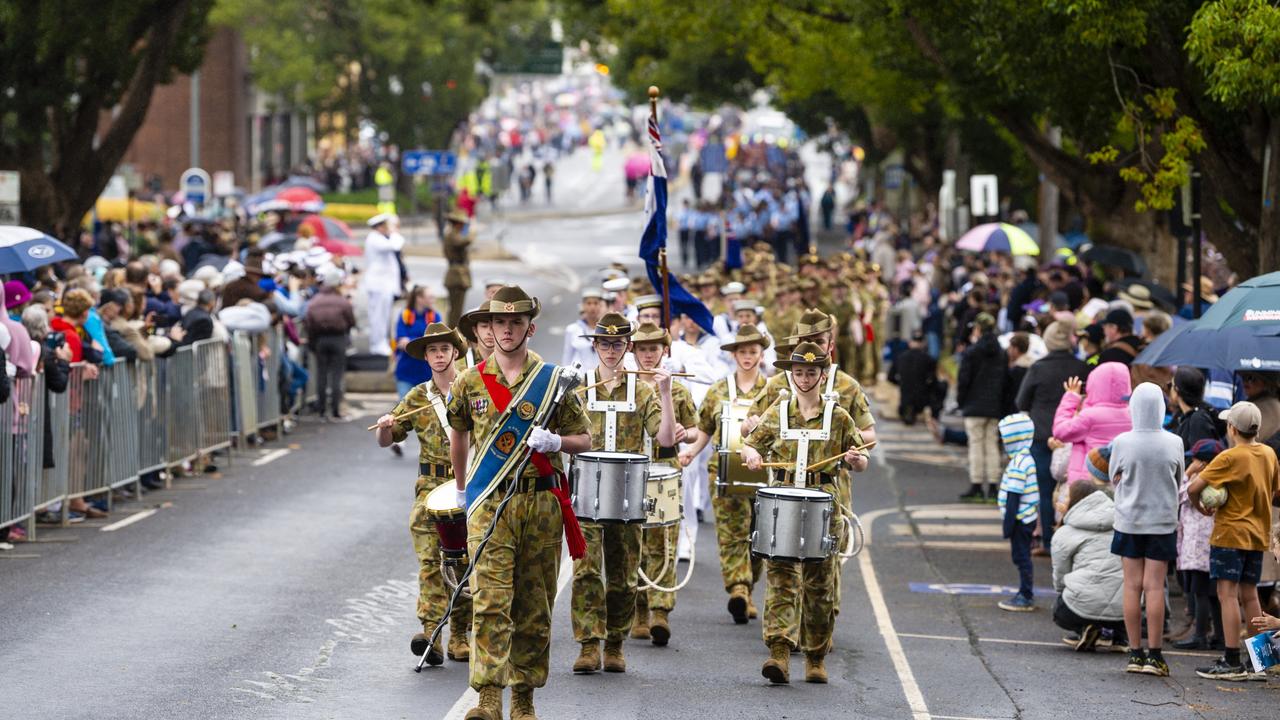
649	310
697	353
803	594
650	343
605	581
439	347
577	347
513	586
733	513
474	326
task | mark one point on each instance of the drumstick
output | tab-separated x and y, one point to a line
592	385
650	372
833	458
398	418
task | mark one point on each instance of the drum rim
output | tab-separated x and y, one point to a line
613	456
794	493
442	512
661	472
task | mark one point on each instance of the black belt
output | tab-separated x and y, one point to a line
823	478
666	453
435	470
528	484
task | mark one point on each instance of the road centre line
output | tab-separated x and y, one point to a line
136	517
271	457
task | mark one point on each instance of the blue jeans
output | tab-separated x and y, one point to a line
1020	552
1043	456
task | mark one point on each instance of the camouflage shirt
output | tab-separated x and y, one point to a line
852	398
471	410
433	438
631	425
686	414
767	440
709	413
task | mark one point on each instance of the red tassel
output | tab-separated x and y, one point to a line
572	530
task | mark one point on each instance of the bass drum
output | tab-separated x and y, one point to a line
663	502
609	487
792	524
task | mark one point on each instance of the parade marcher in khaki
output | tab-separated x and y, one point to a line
457	277
803	594
513	586
605	582
475	326
439	347
650	344
733	513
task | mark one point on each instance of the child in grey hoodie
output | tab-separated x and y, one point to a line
1146	469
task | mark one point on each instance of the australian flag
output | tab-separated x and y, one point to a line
655	236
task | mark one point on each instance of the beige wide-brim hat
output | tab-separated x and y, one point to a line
806	353
746	335
611	327
435	332
512	300
650	333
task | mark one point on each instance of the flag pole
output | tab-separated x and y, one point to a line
662	253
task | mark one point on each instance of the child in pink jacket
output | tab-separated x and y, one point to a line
1104	415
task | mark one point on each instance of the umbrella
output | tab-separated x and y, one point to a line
298	199
998	237
1111	256
23	249
305	181
1033	229
637	166
1254	302
1235	349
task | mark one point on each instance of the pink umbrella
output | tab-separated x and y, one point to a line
297	199
637	166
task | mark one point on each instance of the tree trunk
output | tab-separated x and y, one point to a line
1269	227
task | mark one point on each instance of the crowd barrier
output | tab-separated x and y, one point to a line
115	425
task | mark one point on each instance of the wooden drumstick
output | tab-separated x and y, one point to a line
834	458
650	372
592	385
398	418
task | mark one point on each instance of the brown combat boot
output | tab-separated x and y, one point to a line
459	649
815	671
522	704
640	626
777	669
752	613
418	645
614	661
739	599
490	705
659	628
588	659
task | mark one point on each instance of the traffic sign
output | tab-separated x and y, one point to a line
428	162
195	185
224	183
10	195
984	199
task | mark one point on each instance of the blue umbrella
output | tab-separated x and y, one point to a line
1239	348
23	249
1254	302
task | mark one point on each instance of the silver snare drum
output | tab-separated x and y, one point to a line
792	524
608	487
663	502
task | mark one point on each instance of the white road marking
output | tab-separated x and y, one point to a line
136	517
1040	643
953	529
271	457
967	512
469	698
910	688
979	545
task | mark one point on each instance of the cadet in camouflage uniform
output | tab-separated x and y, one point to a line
733	512
439	347
658	546
605	582
513	586
457	277
475	327
803	594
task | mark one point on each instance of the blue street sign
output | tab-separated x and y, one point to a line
195	185
428	162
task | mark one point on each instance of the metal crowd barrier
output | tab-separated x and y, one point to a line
131	419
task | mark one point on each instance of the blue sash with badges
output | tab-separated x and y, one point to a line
497	456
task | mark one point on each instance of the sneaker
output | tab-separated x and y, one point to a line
1137	660
75	517
1222	670
974	495
1070	639
1017	603
1155	666
1088	639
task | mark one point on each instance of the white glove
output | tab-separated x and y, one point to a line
544	441
461	497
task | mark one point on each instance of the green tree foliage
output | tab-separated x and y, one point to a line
76	84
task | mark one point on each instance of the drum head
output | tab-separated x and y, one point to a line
443	502
794	493
662	472
613	457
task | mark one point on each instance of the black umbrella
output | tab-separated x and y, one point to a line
1111	256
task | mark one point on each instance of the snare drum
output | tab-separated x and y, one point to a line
609	487
792	523
734	479
451	523
663	497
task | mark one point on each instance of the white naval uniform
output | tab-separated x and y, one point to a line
578	348
381	281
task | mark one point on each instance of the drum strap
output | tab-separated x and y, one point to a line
611	408
437	405
802	437
471	358
496	456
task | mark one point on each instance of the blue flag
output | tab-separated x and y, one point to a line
655	238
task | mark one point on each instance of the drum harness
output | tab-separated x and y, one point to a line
568	379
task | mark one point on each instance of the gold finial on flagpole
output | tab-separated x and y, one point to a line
653	100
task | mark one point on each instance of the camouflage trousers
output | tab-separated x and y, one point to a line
605	582
433	592
513	590
733	536
800	600
658	549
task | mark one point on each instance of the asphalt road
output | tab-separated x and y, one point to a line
283	586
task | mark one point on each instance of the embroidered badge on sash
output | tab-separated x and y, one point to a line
526	410
506	442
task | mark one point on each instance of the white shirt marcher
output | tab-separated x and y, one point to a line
578	348
381	282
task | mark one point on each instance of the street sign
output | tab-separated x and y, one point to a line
984	197
195	185
428	162
10	195
224	183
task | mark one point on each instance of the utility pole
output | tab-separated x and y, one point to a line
195	119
